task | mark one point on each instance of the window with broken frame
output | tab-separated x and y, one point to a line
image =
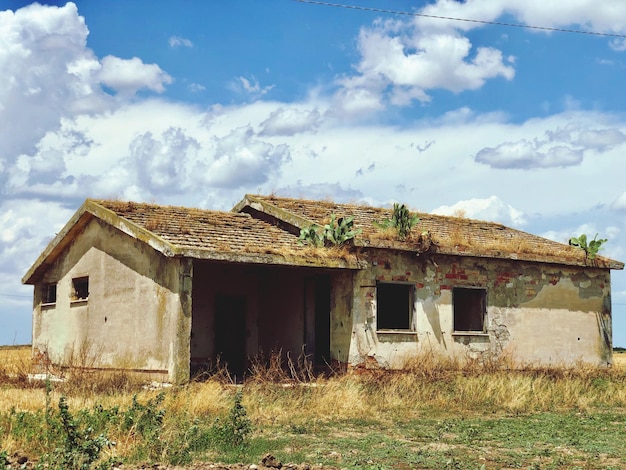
80	288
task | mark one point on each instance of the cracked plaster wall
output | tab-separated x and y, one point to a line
134	317
537	314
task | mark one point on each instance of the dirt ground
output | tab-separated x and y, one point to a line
20	460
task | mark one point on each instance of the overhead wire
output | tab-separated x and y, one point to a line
14	295
467	20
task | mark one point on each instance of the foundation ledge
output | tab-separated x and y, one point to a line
470	333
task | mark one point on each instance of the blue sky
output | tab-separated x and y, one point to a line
197	103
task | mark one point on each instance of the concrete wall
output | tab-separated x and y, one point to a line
135	315
536	314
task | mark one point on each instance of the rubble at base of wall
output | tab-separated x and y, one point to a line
44	377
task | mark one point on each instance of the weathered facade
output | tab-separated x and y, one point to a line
166	290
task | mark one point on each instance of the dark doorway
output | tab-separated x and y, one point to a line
322	321
317	320
230	333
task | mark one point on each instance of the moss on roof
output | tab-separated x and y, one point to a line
228	236
449	235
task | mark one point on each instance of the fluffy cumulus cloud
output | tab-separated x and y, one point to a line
491	209
48	74
50	41
402	60
163	164
151	157
400	63
127	76
241	159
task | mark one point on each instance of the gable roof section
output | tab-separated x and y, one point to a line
192	233
449	235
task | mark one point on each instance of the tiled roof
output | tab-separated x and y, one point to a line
449	235
210	234
269	235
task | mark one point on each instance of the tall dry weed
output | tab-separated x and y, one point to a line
15	364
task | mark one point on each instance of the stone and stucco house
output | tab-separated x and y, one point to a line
166	290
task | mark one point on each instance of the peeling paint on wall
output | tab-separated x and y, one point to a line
536	313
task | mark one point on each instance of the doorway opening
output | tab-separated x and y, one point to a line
230	333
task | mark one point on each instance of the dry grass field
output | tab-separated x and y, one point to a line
14	359
619	360
436	415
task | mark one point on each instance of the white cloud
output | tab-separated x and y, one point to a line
608	16
355	102
163	164
127	76
291	121
491	209
589	138
50	41
562	147
620	202
250	86
406	62
178	41
400	61
329	191
240	159
526	154
25	228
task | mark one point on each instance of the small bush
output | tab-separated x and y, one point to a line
235	431
80	444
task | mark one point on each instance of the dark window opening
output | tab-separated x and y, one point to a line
394	306
470	308
80	288
49	294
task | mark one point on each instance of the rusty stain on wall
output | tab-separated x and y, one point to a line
536	313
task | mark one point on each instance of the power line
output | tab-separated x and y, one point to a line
14	295
467	20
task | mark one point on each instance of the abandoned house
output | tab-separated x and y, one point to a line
167	290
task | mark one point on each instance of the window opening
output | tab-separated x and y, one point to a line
394	306
470	309
49	294
80	288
